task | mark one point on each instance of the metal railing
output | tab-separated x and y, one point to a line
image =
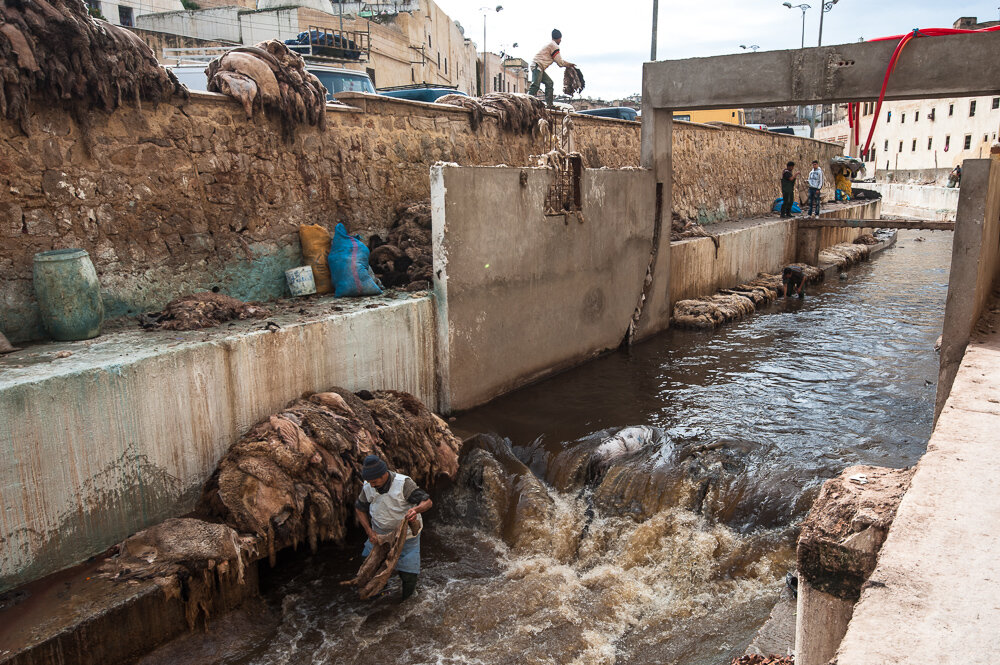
324	45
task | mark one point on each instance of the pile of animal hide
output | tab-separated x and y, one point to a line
380	563
845	254
572	81
405	259
866	239
763	660
271	77
295	475
55	49
735	303
515	112
187	558
680	230
201	310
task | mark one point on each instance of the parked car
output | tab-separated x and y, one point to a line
619	112
335	79
421	94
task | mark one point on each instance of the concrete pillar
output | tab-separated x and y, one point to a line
807	247
657	155
837	550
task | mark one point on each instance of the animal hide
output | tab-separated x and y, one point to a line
295	475
572	81
269	76
201	310
53	49
515	112
405	259
378	566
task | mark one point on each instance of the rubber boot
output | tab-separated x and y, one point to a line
409	584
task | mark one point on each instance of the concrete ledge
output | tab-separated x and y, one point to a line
124	432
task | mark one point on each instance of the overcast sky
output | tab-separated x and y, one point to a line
611	40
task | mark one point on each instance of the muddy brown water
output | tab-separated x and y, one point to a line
642	508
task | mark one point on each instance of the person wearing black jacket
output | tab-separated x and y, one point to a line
788	177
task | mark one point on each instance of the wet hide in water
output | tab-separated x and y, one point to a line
201	310
269	76
845	254
53	49
515	112
295	475
380	563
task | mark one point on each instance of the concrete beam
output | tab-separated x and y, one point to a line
930	67
912	224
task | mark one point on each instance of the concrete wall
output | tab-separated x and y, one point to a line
124	432
163	40
975	264
521	295
917	201
932	176
697	269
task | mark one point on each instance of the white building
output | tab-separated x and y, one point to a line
932	134
124	12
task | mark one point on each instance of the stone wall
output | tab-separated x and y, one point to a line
723	171
191	195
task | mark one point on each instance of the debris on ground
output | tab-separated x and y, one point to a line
201	310
572	81
294	476
269	76
763	660
866	239
380	563
55	49
680	230
737	302
515	112
6	346
405	258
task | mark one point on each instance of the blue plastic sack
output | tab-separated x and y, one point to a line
777	205
349	269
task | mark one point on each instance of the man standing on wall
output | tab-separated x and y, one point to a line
788	177
387	499
815	185
544	58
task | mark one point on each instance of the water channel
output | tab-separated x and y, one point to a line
644	506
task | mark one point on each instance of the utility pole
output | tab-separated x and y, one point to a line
823	9
656	16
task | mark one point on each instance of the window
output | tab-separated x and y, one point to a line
413	76
914	148
902	118
916	116
439	59
986	137
446	65
430	44
930	141
996	102
951	110
972	108
371	75
968	141
126	16
947	142
888	116
94	8
886	145
900	146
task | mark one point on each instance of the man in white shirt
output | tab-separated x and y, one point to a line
541	62
815	185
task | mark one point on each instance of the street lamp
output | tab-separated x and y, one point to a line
752	47
827	6
803	8
485	11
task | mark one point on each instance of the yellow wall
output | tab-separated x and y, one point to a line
732	116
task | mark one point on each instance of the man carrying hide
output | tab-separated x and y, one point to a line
386	499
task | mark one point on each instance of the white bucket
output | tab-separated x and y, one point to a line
300	281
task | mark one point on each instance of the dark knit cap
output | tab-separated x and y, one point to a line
373	468
556	34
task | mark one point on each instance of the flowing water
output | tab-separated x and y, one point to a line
643	508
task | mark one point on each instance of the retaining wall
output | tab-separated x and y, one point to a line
521	295
191	195
123	433
918	201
